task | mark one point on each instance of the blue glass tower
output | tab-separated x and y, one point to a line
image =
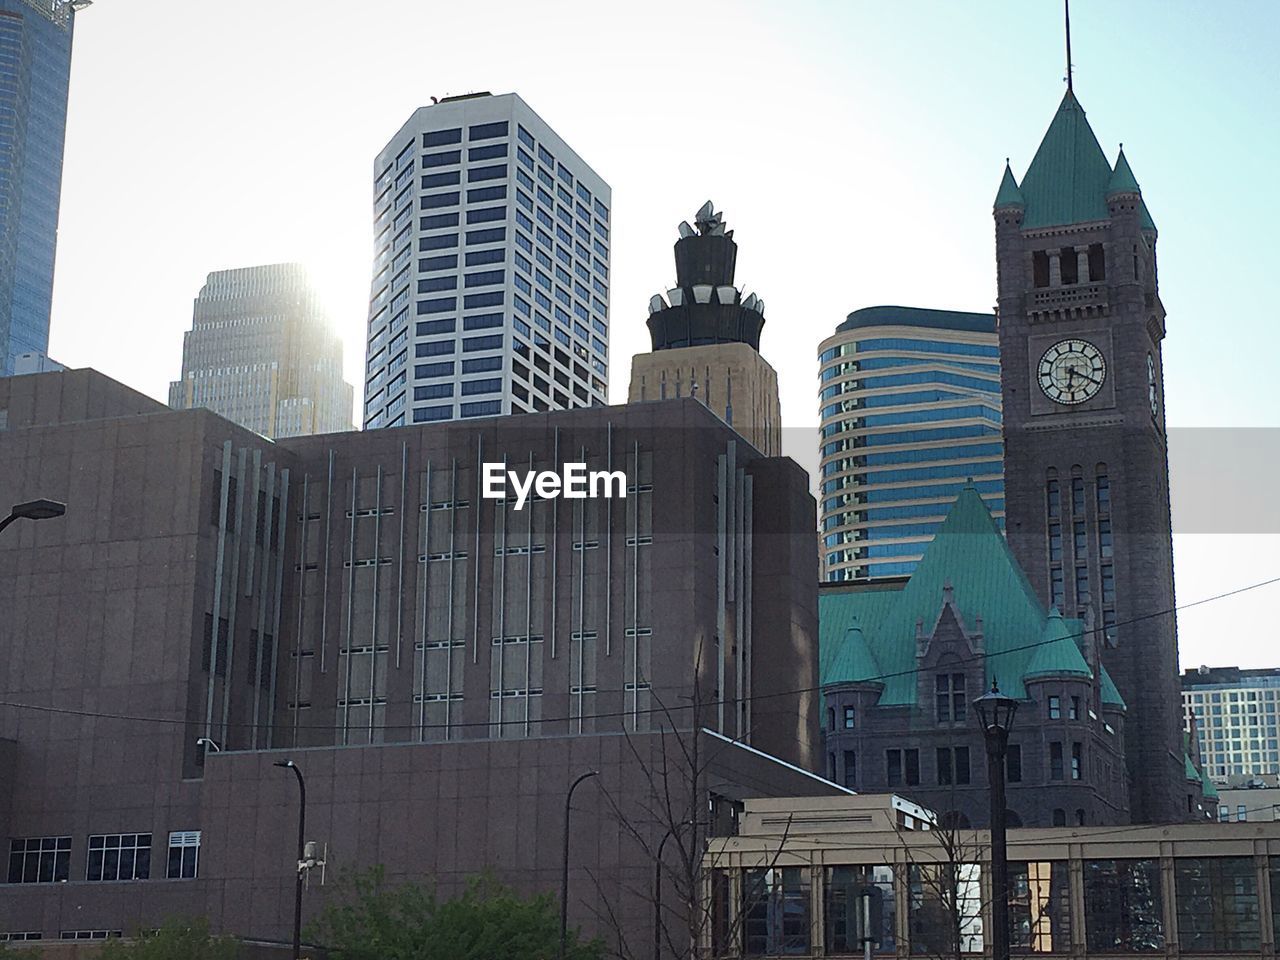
35	69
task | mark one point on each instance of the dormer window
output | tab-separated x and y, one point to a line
949	689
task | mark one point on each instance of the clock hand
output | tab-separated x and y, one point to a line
1089	378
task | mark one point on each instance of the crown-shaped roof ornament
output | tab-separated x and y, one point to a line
709	222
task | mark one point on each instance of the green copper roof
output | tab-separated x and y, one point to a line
852	660
1067	180
1058	654
1009	195
1207	787
1122	179
1192	773
1110	695
969	554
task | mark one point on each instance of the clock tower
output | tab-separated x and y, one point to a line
1086	468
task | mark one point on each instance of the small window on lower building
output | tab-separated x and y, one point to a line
89	934
119	856
184	854
39	859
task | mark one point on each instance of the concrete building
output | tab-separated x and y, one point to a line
792	883
439	663
909	401
1237	720
263	353
706	340
35	46
1247	799
1086	469
490	285
901	663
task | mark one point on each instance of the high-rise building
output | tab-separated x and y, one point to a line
910	412
706	340
1237	720
1086	467
35	49
262	353
491	268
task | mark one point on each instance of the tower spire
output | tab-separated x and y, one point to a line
1066	6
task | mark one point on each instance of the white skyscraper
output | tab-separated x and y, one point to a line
490	286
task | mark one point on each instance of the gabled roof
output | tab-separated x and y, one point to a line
1058	654
1008	195
852	660
971	555
1067	180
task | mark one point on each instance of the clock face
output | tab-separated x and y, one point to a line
1071	371
1153	393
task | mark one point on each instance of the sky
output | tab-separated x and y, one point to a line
854	146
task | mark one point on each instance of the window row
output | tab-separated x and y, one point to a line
112	856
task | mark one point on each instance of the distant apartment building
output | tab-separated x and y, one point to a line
490	289
910	412
35	50
706	338
262	353
1237	716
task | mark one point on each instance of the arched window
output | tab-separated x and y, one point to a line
1011	818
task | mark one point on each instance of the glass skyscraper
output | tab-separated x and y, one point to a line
910	412
35	69
490	291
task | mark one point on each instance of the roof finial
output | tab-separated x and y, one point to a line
1066	5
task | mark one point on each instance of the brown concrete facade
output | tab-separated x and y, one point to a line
206	582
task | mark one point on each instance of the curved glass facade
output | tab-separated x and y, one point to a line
35	48
930	410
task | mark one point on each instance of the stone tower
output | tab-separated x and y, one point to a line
1086	468
706	339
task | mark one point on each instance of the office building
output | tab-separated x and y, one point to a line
1236	719
706	338
1184	890
490	285
262	352
440	664
1086	471
35	47
910	411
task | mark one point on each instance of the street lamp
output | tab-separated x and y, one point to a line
302	821
995	712
657	886
34	510
564	868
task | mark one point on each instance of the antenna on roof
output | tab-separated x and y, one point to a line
1066	5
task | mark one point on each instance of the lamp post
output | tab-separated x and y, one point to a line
564	866
657	887
302	823
995	712
34	510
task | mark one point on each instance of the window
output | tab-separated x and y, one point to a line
902	767
1055	708
1040	268
433	200
1055	541
848	718
949	691
1077	760
1108	583
941	898
1123	906
1013	763
1082	586
441	179
775	912
184	855
850	769
1040	907
488	152
1242	813
39	859
119	856
1057	597
440	138
1073	712
425	371
1052	499
1105	548
1059	817
487	131
1077	497
953	766
1217	905
1055	761
1104	493
843	891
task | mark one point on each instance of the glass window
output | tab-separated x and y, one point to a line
487	152
849	716
1055	708
119	856
1055	761
1217	903
1055	541
1013	763
184	855
1077	760
846	911
1052	498
902	767
487	131
950	697
1040	906
775	912
945	909
1104	493
39	859
953	765
440	138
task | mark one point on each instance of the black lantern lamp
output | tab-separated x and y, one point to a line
995	712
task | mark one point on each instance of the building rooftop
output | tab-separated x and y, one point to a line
885	316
